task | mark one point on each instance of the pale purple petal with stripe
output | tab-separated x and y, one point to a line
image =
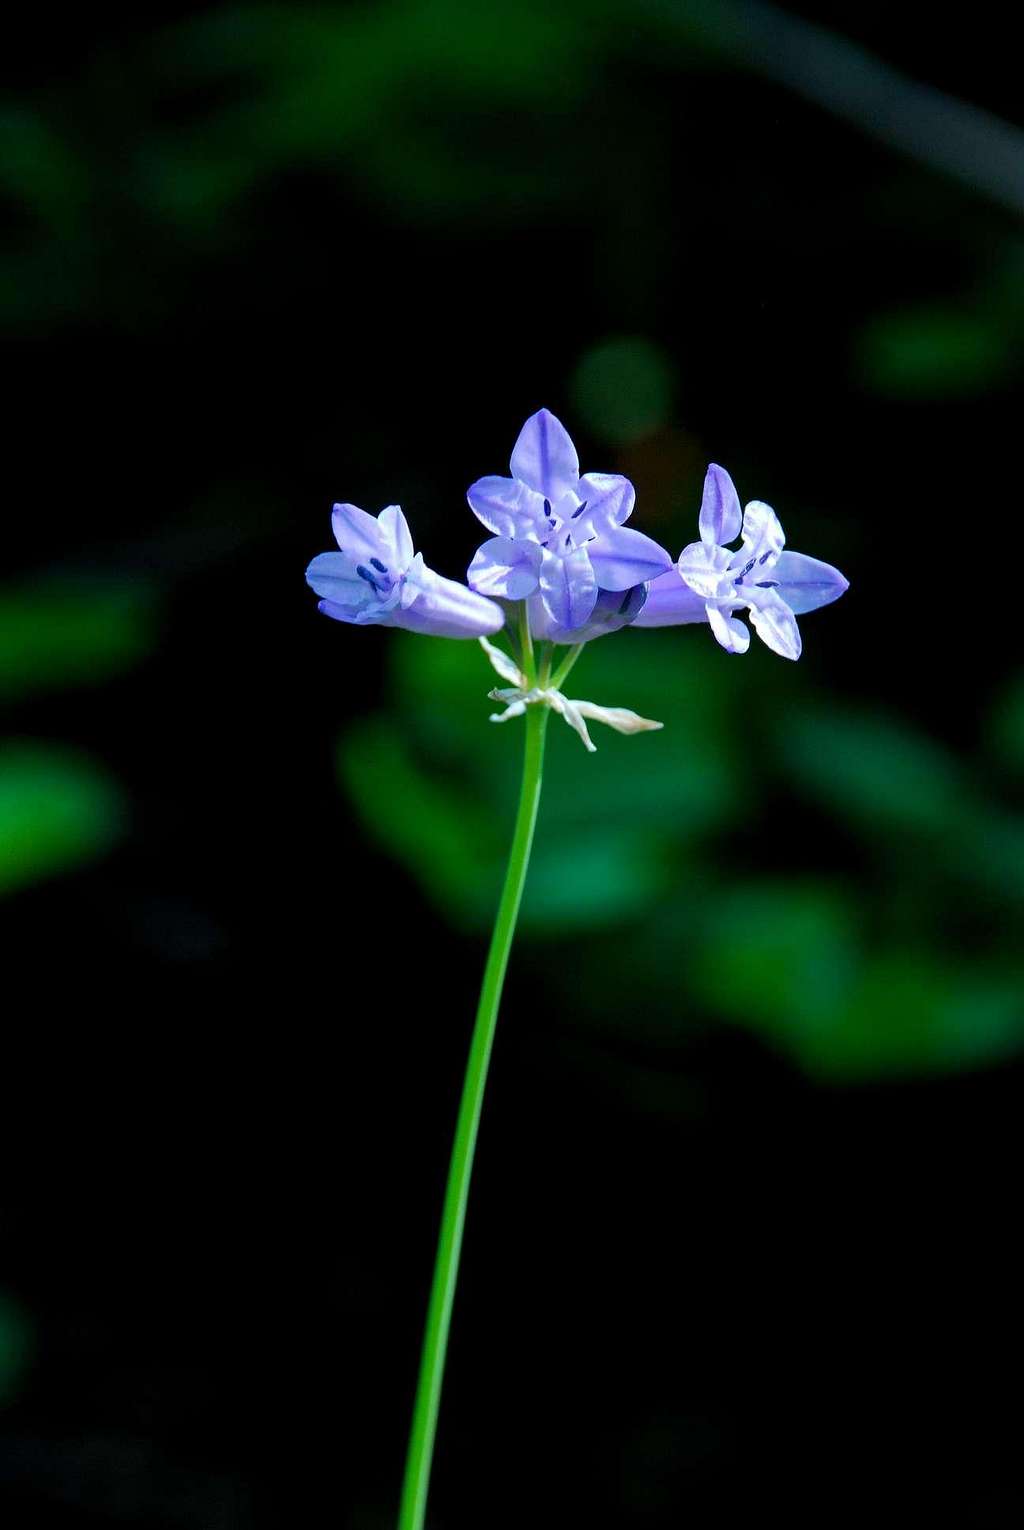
732	634
568	587
806	583
360	535
719	519
333	575
774	622
622	557
544	457
506	569
609	500
706	570
370	616
507	507
763	540
396	528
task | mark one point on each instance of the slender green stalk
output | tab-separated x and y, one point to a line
453	1216
567	663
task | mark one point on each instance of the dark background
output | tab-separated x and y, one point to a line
740	1236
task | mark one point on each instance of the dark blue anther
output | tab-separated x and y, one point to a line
547	508
381	568
765	556
745	570
364	573
769	584
580	511
568	539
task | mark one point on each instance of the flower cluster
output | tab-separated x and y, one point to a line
560	544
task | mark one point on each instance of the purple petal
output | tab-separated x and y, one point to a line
506	507
371	616
706	570
613	609
731	633
806	583
568	587
506	569
671	603
763	541
444	608
334	576
396	529
774	622
360	535
719	508
621	558
544	457
609	499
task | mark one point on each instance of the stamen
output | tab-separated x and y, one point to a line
381	568
765	556
568	539
364	573
580	511
769	584
547	508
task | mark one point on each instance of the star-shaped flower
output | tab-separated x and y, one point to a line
376	579
713	580
558	535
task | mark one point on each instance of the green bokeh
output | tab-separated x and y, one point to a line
58	810
640	858
624	389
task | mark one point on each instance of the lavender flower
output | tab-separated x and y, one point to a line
558	536
377	580
712	581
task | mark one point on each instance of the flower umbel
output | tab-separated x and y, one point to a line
712	581
377	580
559	538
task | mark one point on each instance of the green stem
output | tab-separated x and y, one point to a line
567	663
453	1216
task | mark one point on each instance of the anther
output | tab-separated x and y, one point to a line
381	568
580	511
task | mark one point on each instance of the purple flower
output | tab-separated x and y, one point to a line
558	536
377	580
713	580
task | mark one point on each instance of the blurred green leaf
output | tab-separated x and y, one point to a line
58	810
15	1346
787	961
58	633
915	1013
933	353
1006	728
608	821
877	771
780	957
